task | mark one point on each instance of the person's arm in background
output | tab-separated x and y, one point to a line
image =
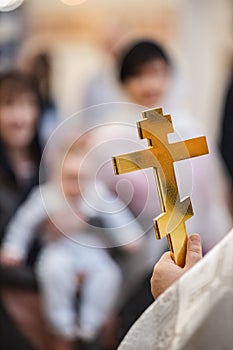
166	272
120	227
21	230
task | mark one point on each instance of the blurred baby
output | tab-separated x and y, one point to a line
73	247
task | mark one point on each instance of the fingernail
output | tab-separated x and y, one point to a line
195	238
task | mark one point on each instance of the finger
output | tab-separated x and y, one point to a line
166	258
194	250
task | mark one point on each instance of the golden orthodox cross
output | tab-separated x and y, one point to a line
161	155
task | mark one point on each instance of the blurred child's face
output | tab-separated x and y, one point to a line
150	85
18	120
71	176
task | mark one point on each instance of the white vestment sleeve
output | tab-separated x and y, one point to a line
196	312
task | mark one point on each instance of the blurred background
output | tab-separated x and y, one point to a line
71	48
79	37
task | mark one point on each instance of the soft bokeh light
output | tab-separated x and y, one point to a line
73	2
10	5
4	3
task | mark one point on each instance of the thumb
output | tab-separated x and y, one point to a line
194	250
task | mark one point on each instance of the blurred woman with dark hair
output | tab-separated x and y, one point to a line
20	151
20	155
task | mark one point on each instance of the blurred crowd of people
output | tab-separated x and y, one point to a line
72	235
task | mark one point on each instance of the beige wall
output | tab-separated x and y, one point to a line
206	42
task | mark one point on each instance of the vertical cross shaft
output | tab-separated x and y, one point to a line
161	155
